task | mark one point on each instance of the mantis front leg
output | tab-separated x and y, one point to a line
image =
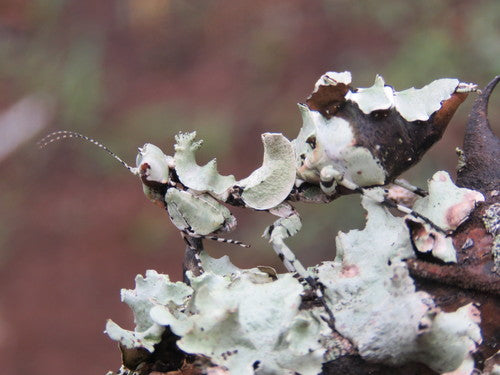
192	261
286	226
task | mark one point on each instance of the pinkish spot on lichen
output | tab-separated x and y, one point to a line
350	270
443	177
458	213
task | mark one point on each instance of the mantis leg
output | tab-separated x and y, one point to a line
378	196
414	189
192	261
286	226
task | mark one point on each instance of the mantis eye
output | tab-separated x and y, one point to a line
144	169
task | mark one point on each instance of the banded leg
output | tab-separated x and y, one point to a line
214	238
225	240
192	261
414	189
382	199
194	244
286	226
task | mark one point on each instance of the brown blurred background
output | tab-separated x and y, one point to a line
75	226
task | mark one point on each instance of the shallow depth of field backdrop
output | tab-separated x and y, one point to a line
75	226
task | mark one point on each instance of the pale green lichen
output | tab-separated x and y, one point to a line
265	188
250	321
300	144
242	322
200	178
240	319
220	266
199	213
247	319
157	161
153	289
375	98
461	333
376	306
419	104
412	104
270	184
446	206
333	79
335	146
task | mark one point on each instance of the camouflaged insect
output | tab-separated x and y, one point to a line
193	214
352	139
197	214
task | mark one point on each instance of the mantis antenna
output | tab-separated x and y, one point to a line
62	134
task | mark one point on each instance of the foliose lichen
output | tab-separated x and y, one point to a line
150	290
270	184
369	136
255	321
377	307
334	144
265	188
201	178
243	320
413	104
251	322
447	206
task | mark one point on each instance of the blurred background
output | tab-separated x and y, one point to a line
75	226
